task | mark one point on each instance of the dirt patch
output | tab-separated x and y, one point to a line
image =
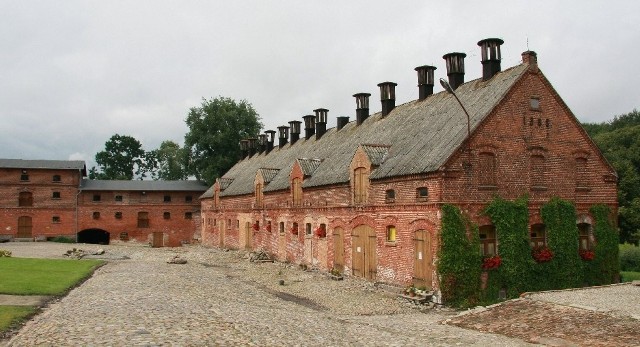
547	323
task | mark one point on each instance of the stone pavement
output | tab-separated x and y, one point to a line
220	298
23	300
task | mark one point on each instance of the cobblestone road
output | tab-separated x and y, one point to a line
220	298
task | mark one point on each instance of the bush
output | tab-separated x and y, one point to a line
63	239
4	253
629	257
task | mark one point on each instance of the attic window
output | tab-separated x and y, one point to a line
118	198
534	103
96	215
24	176
390	196
96	197
55	195
422	194
56	178
167	198
188	198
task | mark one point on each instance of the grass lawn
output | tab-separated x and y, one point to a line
28	276
10	315
628	276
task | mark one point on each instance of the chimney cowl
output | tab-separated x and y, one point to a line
283	135
342	122
309	126
491	57
362	107
252	146
425	80
262	143
244	148
455	68
321	122
387	97
271	134
294	125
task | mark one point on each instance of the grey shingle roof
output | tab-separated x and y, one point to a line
268	174
309	166
190	186
376	153
42	164
420	135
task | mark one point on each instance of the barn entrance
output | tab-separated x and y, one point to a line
24	227
422	271
364	257
96	236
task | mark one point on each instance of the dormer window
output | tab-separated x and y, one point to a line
296	191
360	185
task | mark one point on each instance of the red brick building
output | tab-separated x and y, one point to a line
365	197
42	199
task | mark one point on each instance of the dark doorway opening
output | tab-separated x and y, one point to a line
96	236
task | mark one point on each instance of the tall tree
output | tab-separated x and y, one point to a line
619	141
215	129
122	159
170	161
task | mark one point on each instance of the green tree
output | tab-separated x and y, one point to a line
619	141
215	129
122	159
170	162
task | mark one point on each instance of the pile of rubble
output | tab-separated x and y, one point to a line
77	253
260	257
176	259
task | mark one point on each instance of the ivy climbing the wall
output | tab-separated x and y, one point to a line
459	259
566	269
511	220
605	267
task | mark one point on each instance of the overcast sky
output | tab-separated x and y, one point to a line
73	73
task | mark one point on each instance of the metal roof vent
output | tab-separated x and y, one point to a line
425	80
455	68
387	97
490	49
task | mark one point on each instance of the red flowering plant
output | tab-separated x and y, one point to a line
542	254
490	263
321	232
587	255
268	227
294	231
256	226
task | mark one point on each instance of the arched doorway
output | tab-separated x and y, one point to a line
96	236
364	252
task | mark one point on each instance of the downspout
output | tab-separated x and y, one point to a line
77	195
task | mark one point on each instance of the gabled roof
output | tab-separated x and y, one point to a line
160	186
421	136
308	166
224	182
268	174
43	164
376	153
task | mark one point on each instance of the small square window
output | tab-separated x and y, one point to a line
24	177
188	215
422	194
534	103
188	198
118	198
118	215
166	215
96	197
390	196
55	195
167	198
96	215
55	219
56	178
237	223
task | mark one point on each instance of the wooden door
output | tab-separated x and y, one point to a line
158	239
422	260
221	234
364	252
338	249
24	227
248	235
